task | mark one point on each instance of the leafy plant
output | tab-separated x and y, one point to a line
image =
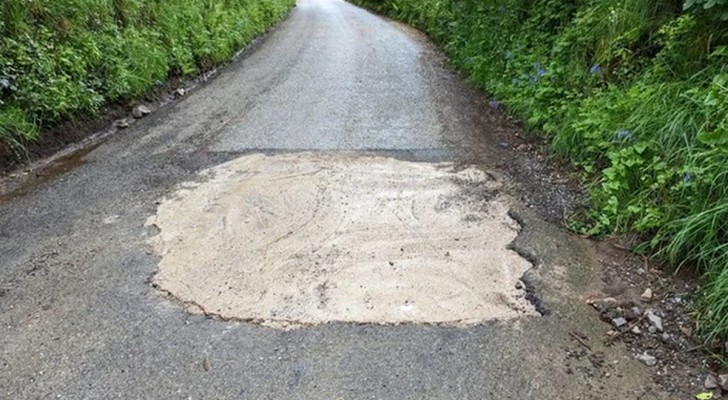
718	7
62	58
632	93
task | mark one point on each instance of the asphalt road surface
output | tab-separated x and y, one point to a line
84	313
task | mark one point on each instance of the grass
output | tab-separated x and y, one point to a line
15	130
632	93
64	58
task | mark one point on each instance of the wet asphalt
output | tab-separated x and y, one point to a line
79	318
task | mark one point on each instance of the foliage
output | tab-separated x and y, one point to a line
62	58
718	7
15	129
634	93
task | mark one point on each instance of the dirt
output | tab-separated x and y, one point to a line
683	361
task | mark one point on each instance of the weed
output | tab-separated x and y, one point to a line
15	130
632	93
62	58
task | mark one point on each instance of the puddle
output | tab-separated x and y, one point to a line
302	239
22	185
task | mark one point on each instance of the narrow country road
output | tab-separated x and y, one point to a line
336	215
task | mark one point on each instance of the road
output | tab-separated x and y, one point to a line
109	269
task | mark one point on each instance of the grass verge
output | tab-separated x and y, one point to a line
633	93
63	58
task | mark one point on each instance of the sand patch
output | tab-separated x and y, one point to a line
301	239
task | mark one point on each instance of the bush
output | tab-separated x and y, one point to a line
633	93
62	58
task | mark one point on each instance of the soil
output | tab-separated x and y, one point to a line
683	361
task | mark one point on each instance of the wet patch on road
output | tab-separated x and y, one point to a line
302	239
19	184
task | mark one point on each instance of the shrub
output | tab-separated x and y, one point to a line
633	93
62	58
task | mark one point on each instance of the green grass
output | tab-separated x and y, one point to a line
64	58
16	130
632	93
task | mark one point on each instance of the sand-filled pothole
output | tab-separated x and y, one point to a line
300	239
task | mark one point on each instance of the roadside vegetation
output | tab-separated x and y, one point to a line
63	58
633	93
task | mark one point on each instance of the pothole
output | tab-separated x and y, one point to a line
303	239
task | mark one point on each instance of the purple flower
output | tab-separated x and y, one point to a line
595	69
687	177
623	135
539	72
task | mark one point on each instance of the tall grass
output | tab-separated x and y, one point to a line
16	130
632	93
62	58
